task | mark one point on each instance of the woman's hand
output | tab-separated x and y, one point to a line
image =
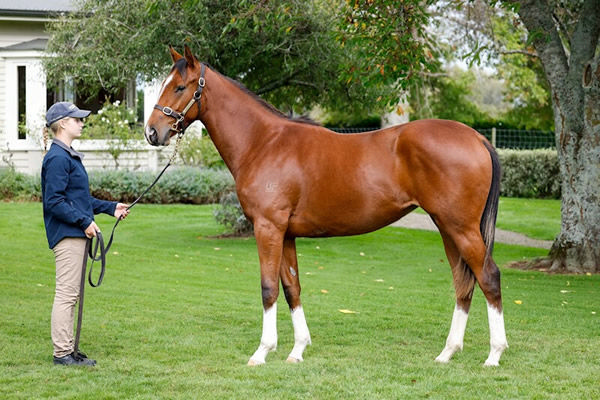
91	230
121	212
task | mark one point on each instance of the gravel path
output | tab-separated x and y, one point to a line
421	221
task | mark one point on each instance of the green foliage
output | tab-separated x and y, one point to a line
229	213
295	54
18	186
526	85
530	173
181	185
115	123
198	150
447	97
388	46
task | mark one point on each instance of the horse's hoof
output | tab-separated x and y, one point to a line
292	360
254	363
489	363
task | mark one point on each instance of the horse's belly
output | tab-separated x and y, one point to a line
344	222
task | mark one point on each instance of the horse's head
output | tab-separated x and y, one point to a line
179	99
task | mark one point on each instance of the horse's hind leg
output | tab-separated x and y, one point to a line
473	251
290	281
464	285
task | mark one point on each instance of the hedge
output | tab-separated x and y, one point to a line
530	173
526	173
179	185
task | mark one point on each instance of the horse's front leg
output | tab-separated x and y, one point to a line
269	240
290	281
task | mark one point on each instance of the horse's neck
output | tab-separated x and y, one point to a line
236	123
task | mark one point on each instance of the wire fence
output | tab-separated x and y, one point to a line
500	138
519	139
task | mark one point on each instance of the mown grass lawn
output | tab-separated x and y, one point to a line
179	314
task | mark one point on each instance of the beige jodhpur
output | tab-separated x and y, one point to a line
68	254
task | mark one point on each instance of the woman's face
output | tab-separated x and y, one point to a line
72	127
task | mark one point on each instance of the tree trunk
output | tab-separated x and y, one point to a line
574	80
577	247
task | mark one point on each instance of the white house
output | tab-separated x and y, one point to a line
24	96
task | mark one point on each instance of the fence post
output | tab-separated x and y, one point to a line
494	136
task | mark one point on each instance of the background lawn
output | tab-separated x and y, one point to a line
179	315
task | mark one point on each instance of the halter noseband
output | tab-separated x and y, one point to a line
179	117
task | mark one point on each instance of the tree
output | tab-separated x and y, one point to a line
478	33
566	39
293	53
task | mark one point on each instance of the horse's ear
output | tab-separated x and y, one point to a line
189	57
174	54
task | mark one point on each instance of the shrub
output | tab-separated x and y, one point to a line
181	185
197	149
18	186
530	173
116	123
229	214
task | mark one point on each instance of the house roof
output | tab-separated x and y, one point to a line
35	45
35	7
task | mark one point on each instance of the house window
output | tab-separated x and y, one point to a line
68	91
21	101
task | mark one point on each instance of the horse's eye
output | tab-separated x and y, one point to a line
180	88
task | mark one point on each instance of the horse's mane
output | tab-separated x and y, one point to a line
181	65
303	119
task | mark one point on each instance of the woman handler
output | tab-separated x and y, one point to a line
69	210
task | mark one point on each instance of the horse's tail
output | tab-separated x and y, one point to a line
488	219
463	276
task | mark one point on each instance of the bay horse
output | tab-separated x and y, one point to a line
298	179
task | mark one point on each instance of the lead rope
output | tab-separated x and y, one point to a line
99	246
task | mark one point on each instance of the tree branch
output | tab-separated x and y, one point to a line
523	52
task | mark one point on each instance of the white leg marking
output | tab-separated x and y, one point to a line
454	342
498	341
301	335
268	341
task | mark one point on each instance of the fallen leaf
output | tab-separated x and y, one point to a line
176	255
317	247
378	280
217	248
588	273
361	253
593	312
343	311
391	288
309	273
324	291
565	291
116	253
321	267
518	302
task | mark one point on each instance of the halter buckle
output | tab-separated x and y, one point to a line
201	82
167	111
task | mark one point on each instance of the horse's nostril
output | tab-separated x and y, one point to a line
152	136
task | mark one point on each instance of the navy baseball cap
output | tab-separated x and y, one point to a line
62	110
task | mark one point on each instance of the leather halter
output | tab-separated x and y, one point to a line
179	117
